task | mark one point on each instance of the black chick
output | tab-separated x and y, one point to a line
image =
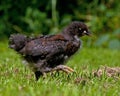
48	53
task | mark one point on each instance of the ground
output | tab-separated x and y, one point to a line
18	80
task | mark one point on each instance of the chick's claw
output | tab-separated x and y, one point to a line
63	68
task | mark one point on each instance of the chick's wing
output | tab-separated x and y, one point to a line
44	47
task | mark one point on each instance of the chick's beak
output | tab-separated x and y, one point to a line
87	33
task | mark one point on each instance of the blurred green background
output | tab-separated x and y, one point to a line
38	17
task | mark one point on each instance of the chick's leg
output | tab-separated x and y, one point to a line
63	68
38	74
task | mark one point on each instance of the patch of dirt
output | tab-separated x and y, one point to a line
104	70
16	70
29	76
108	71
80	80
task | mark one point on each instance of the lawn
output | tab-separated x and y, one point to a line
18	80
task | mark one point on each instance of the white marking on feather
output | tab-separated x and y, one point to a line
25	62
77	38
81	44
65	57
79	28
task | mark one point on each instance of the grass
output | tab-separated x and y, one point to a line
18	80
